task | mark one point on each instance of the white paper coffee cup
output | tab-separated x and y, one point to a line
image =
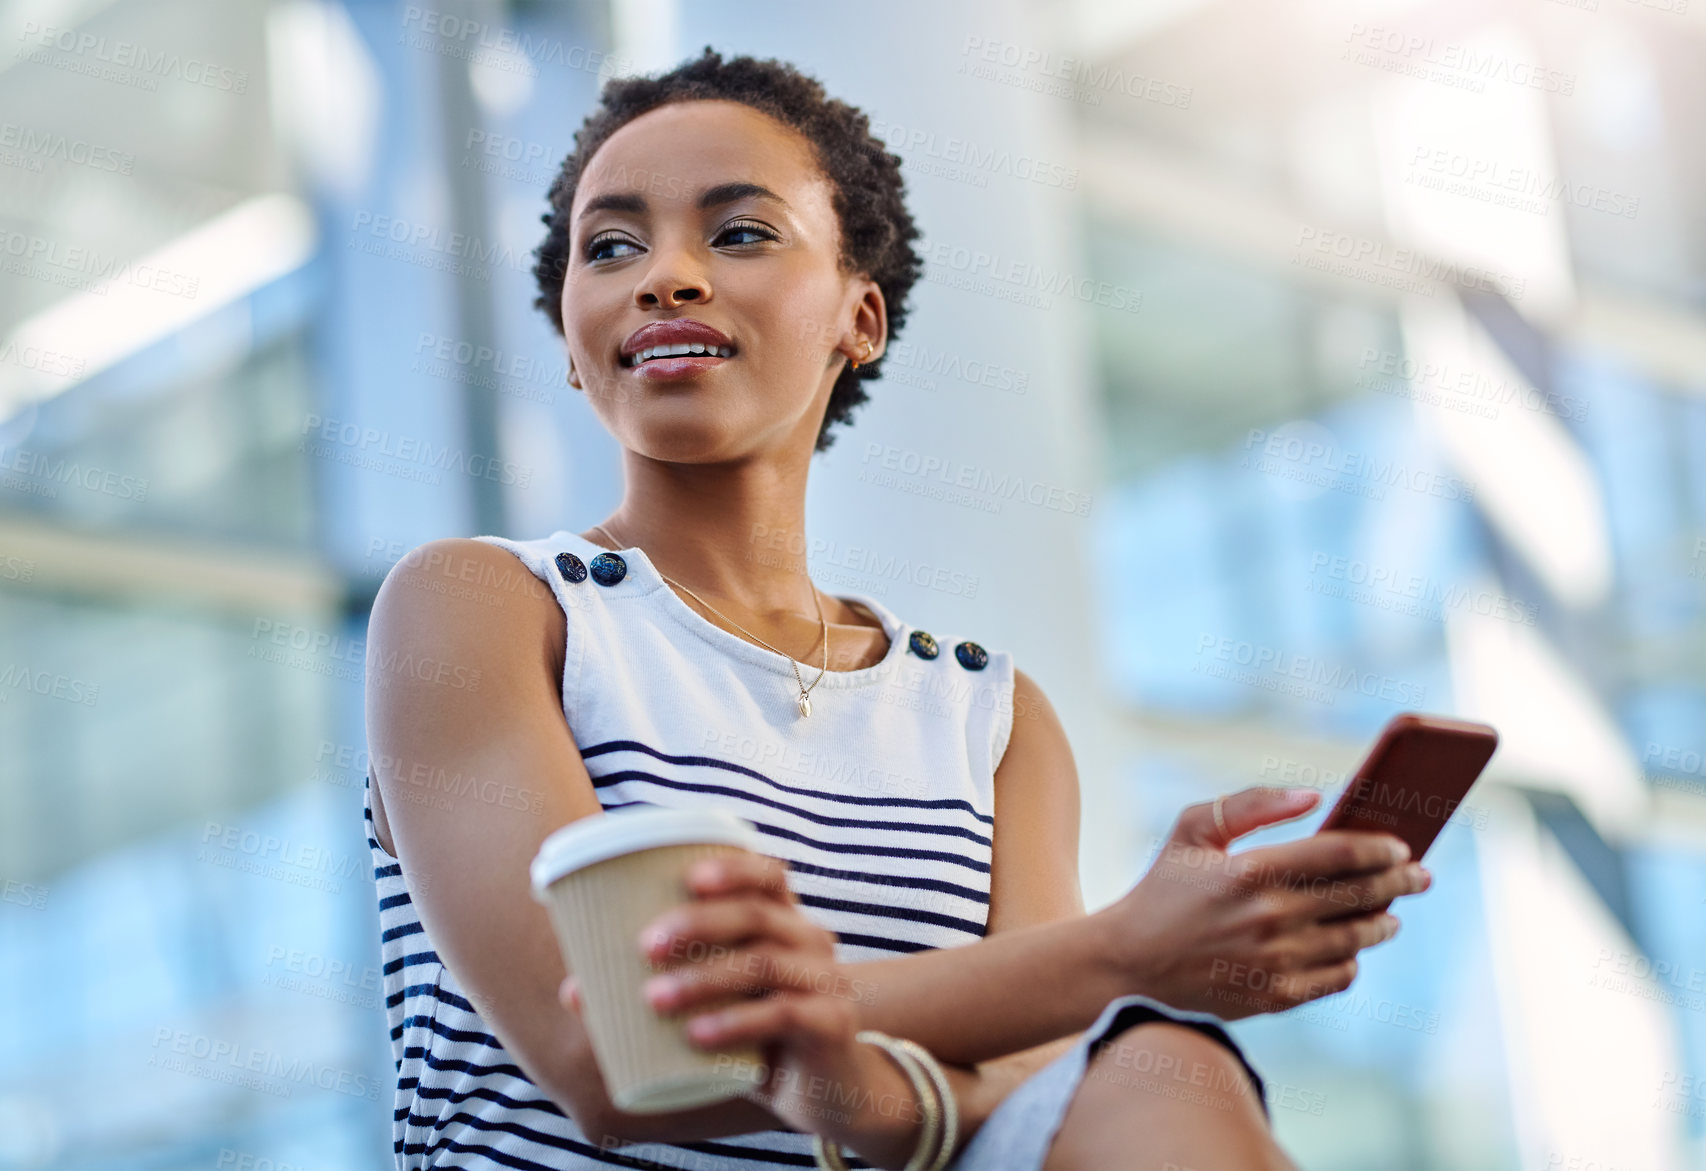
603	878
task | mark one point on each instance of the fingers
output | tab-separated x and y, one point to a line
745	945
569	994
1243	812
1327	945
822	1019
1320	899
1323	981
1376	892
757	971
1329	854
698	930
745	871
731	974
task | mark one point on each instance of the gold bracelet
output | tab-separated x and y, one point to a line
924	1090
829	1154
945	1094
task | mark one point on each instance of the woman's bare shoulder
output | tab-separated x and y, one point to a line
462	638
453	590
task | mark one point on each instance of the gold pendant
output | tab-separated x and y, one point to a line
805	704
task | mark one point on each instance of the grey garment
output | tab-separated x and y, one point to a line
1017	1136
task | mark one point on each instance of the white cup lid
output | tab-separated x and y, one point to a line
602	836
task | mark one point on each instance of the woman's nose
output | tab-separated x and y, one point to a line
672	284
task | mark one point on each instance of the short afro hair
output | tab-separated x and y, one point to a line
877	231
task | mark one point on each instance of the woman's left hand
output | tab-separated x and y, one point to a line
744	965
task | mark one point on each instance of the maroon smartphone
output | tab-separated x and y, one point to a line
1414	778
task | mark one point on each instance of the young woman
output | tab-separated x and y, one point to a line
916	790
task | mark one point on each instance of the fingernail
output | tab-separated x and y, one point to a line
1400	850
653	938
661	991
704	872
704	1028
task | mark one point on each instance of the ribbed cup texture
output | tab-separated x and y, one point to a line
649	1065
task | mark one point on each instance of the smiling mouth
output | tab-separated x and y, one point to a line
677	350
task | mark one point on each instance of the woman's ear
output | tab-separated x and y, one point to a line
870	323
858	349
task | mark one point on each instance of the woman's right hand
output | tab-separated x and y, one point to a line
765	974
1263	930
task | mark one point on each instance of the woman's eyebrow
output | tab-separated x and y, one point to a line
711	197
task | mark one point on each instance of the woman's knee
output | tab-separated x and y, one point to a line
1159	1094
1172	1063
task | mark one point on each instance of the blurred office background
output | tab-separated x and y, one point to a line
1277	368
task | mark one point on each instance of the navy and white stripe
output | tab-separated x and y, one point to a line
881	803
888	875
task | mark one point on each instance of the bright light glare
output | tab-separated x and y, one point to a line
1531	478
645	33
1554	733
1469	176
327	95
226	258
1589	1039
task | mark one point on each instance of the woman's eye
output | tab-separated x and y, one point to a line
595	246
757	230
599	247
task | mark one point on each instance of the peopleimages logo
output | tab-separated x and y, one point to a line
50	471
334	438
16	677
1313	460
278	850
1462	388
249	1060
1361	258
1084	79
128	55
966	158
1449	63
954	474
1522	188
52	363
49	146
966	267
1417	595
498	47
1305	676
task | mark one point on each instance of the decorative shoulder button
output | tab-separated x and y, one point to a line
923	645
971	656
609	568
571	567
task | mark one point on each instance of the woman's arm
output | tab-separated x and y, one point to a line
996	1011
1045	970
505	734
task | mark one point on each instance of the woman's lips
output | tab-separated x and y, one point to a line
677	366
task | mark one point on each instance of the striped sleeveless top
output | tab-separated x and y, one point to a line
881	802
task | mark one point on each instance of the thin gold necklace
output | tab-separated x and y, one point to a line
805	700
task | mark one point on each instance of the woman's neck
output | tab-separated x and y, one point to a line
723	536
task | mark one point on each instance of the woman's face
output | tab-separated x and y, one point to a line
654	240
